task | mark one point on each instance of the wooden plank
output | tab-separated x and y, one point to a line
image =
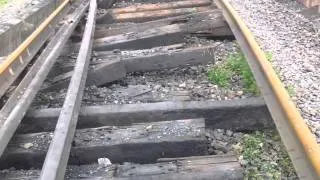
214	25
244	114
142	143
111	70
112	66
99	74
200	167
123	28
170	59
160	6
215	159
197	167
136	17
162	36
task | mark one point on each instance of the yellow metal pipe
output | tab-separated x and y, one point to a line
305	137
26	43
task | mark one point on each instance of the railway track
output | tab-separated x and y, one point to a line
144	139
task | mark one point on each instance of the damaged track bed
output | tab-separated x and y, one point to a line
148	111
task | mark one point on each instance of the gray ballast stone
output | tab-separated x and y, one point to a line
244	114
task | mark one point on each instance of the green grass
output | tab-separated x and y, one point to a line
239	65
291	90
262	160
220	76
269	56
3	2
236	64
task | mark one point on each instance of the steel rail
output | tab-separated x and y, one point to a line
295	134
17	105
58	154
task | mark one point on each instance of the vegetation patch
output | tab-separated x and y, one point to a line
3	2
290	88
269	56
220	76
235	65
264	157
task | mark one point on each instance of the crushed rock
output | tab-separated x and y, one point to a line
182	83
222	141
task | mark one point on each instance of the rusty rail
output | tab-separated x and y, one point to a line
295	134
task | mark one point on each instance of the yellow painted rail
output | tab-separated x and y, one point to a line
5	65
295	134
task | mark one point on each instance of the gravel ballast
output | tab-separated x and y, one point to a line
294	44
181	83
260	153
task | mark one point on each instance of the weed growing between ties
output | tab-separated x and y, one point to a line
220	75
263	156
235	65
